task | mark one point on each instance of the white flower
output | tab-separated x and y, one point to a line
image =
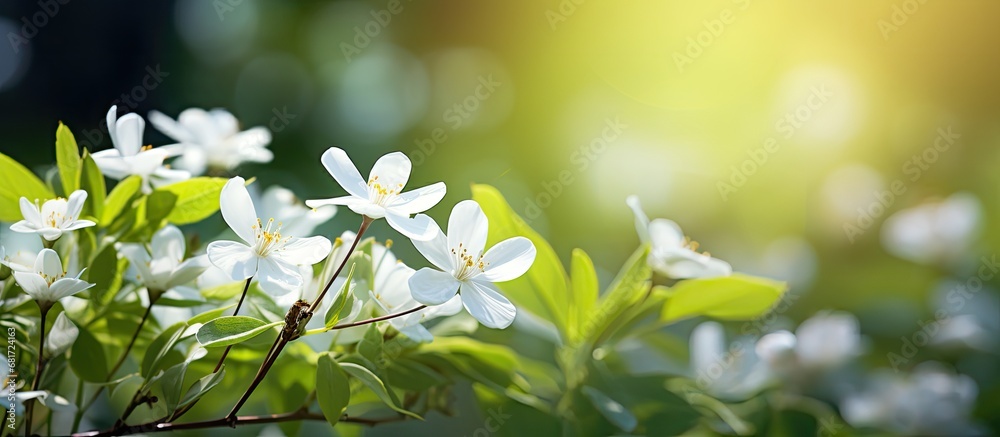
672	254
934	232
53	217
383	195
272	257
130	157
468	269
165	269
392	294
47	282
824	341
724	369
213	139
62	335
285	207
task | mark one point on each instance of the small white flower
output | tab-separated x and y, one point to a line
130	157
938	232
165	268
716	368
285	207
47	281
383	195
272	257
672	254
823	342
62	335
212	139
391	292
53	217
468	269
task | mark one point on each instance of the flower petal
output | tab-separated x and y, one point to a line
48	263
169	127
641	220
345	200
75	204
128	134
417	333
169	243
344	172
50	234
188	271
238	210
33	284
67	287
433	287
305	251
139	259
684	264
24	226
468	226
163	176
436	250
236	259
30	212
79	224
391	171
665	233
278	277
486	304
420	199
418	228
508	259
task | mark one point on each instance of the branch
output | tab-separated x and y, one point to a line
303	414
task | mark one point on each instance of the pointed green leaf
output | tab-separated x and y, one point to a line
371	345
376	386
225	331
67	159
736	297
583	279
610	409
105	274
340	302
16	181
120	197
87	358
92	181
202	386
194	199
333	391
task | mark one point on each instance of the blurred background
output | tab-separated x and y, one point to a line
847	147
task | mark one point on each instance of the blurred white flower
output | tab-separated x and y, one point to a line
47	281
292	213
824	341
468	269
672	254
938	232
265	253
391	293
52	218
165	269
130	157
929	401
18	251
212	139
383	195
727	370
62	335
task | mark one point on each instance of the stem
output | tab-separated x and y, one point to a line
79	398
302	414
365	222
366	321
276	349
39	368
222	359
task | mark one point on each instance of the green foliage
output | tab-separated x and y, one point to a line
16	182
121	196
375	384
226	331
340	301
188	201
333	391
87	358
67	159
737	297
105	272
92	181
611	409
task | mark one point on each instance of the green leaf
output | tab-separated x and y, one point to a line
340	302
202	386
171	382
371	345
160	347
67	159
105	273
196	199
159	205
377	386
583	279
16	181
225	331
87	358
119	198
610	409
224	291
209	315
625	291
737	297
333	391
542	290
92	181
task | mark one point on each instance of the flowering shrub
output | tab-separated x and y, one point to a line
125	324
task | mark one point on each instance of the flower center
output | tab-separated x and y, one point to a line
468	266
381	194
51	279
267	240
693	246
